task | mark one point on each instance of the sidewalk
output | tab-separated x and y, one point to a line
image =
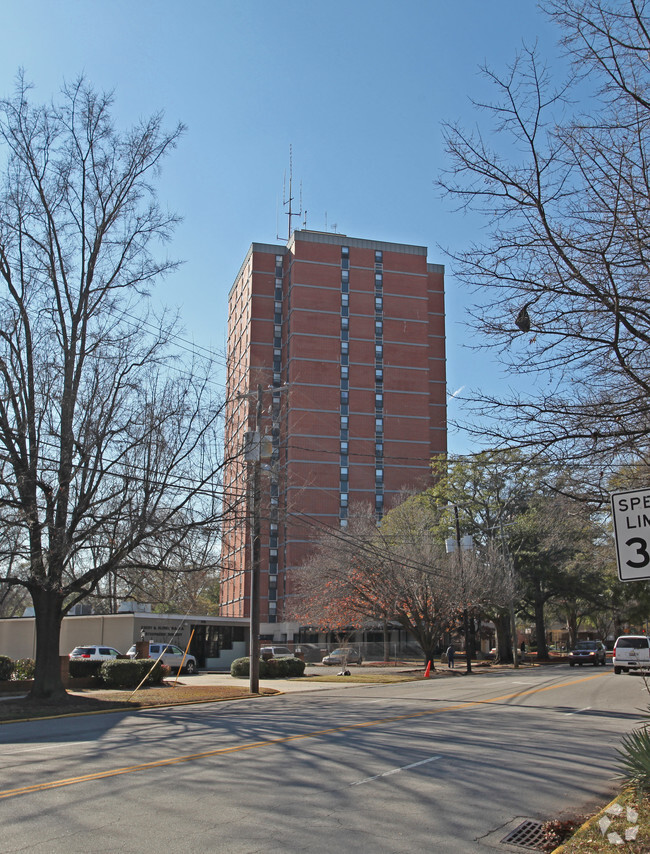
302	683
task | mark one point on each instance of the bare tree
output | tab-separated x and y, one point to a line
399	571
562	278
107	443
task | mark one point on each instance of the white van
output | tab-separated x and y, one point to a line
631	652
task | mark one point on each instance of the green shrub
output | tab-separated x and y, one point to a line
296	666
635	756
274	668
24	668
6	668
123	673
240	668
81	668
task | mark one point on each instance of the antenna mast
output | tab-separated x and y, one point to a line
288	200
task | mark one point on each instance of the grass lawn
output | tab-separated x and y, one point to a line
91	700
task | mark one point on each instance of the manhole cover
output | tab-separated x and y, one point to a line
529	834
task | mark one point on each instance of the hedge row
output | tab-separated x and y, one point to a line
22	668
119	672
274	668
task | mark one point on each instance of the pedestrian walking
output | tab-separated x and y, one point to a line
450	656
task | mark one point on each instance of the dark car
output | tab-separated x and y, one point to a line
588	652
345	655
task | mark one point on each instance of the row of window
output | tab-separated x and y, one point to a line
345	324
379	383
275	438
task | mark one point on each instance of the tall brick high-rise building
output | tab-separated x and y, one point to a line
345	340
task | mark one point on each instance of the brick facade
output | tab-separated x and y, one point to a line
346	339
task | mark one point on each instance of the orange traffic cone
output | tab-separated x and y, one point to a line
428	670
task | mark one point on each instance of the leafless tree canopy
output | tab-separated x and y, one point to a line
560	173
108	445
400	571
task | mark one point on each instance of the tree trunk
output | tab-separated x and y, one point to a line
386	642
47	675
504	643
540	629
572	627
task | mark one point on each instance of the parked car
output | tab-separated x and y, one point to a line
171	655
631	652
94	652
311	652
343	655
588	652
267	652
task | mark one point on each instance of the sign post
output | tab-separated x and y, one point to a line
631	514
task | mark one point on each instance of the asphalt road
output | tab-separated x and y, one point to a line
447	765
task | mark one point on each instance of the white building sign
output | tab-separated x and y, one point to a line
631	512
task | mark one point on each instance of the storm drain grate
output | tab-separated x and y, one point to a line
529	834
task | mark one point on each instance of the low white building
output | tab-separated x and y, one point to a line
215	641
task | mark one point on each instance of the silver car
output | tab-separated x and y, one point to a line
171	655
94	652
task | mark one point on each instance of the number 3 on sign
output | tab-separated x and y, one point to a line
631	518
641	550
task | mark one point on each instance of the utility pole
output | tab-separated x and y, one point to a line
468	654
253	456
513	623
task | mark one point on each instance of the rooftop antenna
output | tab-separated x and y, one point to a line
287	200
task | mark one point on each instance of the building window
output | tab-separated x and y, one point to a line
379	256
344	373
345	397
344	421
344	448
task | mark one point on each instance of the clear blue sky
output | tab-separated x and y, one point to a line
357	87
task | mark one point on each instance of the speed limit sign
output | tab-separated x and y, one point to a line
631	512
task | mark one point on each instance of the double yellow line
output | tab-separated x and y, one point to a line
191	757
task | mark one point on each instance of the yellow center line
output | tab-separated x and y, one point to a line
190	757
